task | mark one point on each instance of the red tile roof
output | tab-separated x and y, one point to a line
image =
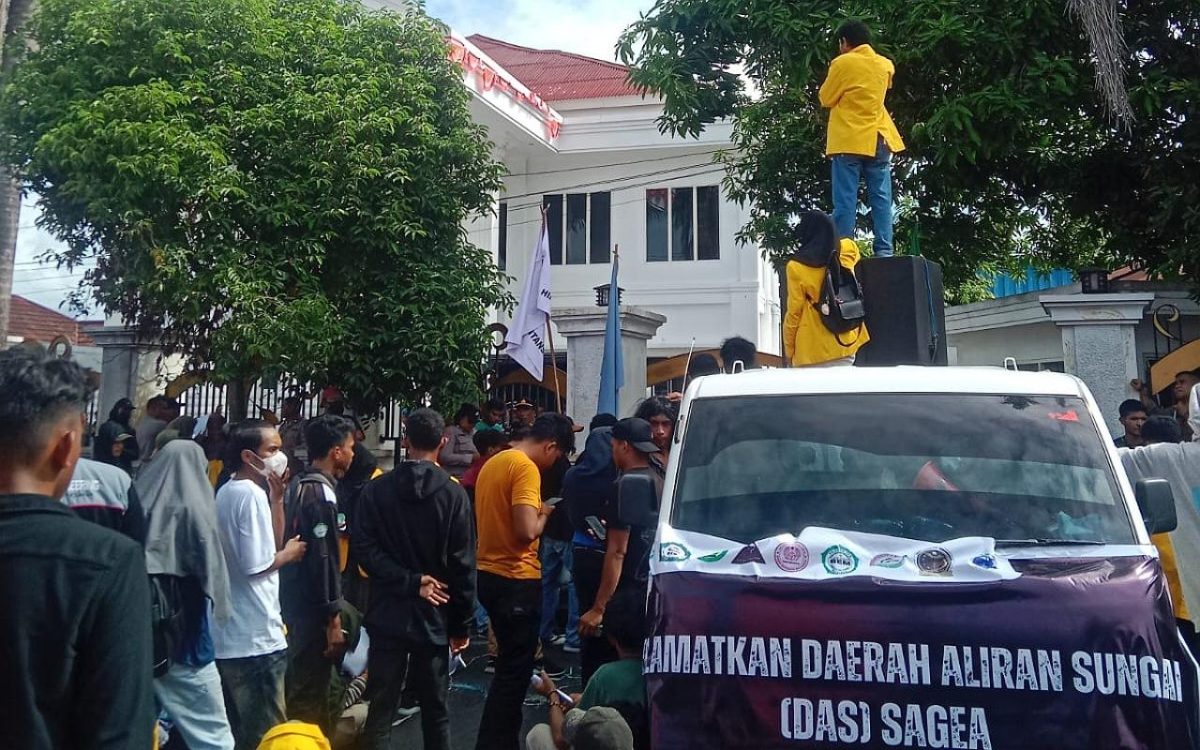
557	76
29	320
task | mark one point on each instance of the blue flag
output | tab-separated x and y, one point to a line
612	371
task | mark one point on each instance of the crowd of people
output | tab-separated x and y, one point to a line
221	582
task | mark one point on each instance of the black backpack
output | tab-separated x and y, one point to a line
841	302
166	619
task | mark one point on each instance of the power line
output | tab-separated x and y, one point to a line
615	164
655	175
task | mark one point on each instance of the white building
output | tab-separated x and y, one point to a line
582	143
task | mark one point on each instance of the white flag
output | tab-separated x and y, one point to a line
526	337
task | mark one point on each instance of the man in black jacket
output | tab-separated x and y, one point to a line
75	639
310	594
415	538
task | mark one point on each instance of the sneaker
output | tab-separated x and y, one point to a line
557	640
570	648
553	671
491	666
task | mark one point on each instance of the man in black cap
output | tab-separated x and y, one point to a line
632	519
114	442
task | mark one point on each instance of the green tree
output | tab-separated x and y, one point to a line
266	185
1013	157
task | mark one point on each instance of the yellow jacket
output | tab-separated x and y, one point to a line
294	735
1166	558
806	340
853	93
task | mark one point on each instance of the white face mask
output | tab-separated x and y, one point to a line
276	463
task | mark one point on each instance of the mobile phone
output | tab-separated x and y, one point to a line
536	682
597	528
553	501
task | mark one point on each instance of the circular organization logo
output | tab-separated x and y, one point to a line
888	561
673	552
934	562
791	557
837	560
987	562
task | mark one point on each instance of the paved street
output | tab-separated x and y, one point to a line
467	692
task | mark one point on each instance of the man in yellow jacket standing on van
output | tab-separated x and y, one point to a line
862	136
806	339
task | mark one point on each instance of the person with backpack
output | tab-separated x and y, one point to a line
310	593
189	586
825	323
416	539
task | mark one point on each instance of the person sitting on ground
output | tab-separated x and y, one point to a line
460	452
619	685
76	665
1133	416
737	349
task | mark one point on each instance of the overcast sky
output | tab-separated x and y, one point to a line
588	27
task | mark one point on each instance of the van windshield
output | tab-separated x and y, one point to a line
920	466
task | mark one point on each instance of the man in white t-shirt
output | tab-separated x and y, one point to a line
250	646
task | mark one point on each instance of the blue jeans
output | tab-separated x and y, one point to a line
848	171
557	560
192	698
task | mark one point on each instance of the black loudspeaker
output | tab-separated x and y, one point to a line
906	312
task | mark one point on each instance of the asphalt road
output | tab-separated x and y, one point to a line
467	690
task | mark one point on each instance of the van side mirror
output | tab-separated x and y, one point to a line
1157	503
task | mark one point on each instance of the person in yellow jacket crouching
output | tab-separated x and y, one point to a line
294	735
807	340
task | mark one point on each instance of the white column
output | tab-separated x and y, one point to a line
583	327
1099	344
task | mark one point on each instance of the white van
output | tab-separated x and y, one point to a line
909	557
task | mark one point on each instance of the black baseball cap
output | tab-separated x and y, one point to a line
635	432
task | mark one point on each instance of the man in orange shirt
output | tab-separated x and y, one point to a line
510	518
862	136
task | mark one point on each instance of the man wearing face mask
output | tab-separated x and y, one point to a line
250	646
311	592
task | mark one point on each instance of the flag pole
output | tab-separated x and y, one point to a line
554	367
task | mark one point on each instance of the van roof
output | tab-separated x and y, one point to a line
849	380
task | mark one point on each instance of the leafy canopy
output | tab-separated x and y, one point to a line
267	186
1012	159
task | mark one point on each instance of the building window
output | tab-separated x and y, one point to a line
502	249
580	227
683	224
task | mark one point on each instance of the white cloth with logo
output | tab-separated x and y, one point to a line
255	626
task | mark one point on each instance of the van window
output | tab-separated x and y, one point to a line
921	466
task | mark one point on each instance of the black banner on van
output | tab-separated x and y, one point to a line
1072	655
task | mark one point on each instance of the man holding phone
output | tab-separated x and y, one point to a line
250	646
415	538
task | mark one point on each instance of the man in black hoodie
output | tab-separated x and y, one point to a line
416	540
